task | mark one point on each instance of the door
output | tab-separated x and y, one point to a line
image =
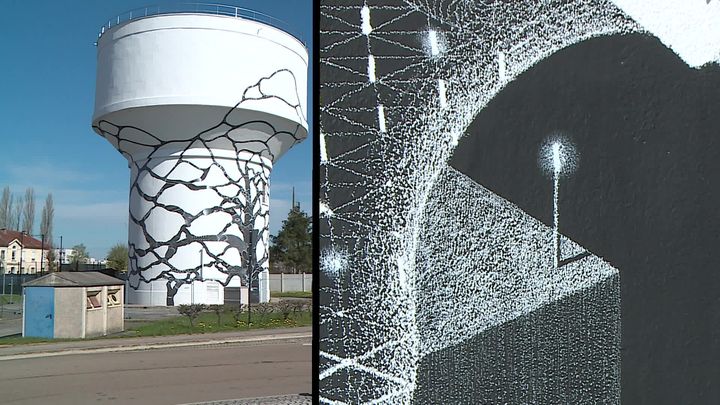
39	311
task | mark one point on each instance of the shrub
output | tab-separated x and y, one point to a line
263	309
239	313
218	309
192	311
286	308
298	306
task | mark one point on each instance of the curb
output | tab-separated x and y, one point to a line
300	399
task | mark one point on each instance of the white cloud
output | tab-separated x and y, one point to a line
45	174
112	212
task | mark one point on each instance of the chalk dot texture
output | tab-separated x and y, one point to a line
437	286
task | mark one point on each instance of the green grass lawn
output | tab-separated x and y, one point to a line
179	325
208	323
9	299
291	294
18	340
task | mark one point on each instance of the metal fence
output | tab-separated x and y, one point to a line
12	283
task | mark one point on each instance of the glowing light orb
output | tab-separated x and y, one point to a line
558	156
434	43
333	263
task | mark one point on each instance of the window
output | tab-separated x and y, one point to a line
93	300
213	292
113	298
13	254
2	254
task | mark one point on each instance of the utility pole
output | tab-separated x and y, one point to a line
202	259
195	278
251	255
60	255
42	252
22	246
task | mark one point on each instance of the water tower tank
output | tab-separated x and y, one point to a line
201	103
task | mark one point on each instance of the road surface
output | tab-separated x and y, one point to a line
160	376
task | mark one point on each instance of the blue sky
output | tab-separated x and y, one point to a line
47	88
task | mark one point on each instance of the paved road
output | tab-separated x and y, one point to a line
160	376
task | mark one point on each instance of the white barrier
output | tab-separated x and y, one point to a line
283	282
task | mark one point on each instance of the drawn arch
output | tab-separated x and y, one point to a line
642	197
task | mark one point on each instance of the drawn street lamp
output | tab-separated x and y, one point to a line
557	167
557	156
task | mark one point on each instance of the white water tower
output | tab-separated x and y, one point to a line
201	101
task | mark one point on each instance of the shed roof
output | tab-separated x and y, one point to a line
74	279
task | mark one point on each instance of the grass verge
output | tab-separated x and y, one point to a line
19	340
208	323
10	299
179	325
291	294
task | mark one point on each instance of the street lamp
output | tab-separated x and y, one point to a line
22	245
192	285
557	167
557	156
249	275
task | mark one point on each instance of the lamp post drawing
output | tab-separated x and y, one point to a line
558	158
557	166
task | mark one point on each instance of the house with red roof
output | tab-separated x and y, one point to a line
21	253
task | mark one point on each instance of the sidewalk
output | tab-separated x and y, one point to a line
146	343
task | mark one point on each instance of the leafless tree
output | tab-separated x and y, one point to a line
46	220
28	220
17	212
5	207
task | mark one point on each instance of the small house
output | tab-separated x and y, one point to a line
73	305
